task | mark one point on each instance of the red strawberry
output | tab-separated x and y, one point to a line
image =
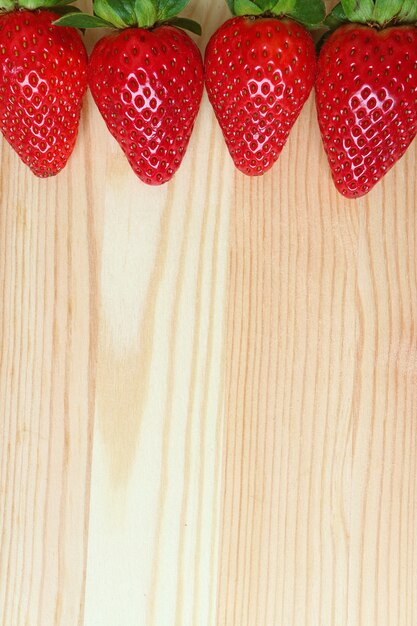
259	73
366	94
148	87
42	83
147	84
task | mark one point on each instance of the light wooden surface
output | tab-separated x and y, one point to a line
208	391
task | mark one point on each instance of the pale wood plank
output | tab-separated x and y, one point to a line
319	518
383	576
155	505
290	391
46	384
154	512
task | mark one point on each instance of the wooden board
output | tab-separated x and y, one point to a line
208	391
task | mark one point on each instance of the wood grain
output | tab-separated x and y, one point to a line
319	462
46	392
290	394
207	390
155	487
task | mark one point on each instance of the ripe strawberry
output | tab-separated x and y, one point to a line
260	71
147	81
366	93
42	83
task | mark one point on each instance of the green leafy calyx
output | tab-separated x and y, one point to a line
379	13
310	13
59	6
131	13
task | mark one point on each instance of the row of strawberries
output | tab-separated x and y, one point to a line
147	80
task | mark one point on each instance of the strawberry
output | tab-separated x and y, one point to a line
147	81
260	70
42	83
366	90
